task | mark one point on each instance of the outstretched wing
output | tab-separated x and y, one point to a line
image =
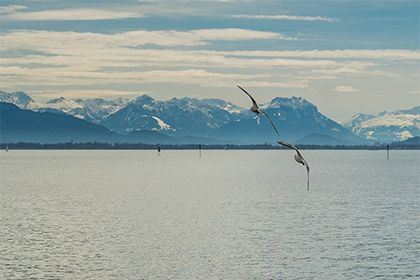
265	114
288	145
252	98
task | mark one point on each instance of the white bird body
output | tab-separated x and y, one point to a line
299	159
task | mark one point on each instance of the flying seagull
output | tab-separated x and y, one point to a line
298	157
257	109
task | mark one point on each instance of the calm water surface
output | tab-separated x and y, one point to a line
226	215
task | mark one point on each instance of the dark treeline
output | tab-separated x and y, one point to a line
141	146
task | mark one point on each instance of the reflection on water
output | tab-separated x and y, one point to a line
226	215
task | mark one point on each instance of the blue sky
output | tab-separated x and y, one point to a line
344	56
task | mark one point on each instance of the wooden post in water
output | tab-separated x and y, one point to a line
387	151
158	150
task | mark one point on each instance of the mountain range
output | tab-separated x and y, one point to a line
191	120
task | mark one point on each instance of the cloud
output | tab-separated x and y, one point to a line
59	59
197	77
346	89
287	17
394	54
89	93
63	40
268	84
11	9
70	14
234	34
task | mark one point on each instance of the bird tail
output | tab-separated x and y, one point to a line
307	186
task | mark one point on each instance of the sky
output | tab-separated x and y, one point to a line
345	57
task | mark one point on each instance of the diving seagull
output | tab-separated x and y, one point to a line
298	157
257	109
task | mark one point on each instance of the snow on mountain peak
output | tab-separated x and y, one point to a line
387	126
142	99
19	98
404	135
64	104
224	105
293	102
162	124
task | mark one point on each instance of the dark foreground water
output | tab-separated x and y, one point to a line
226	215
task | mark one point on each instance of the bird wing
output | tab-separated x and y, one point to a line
262	111
288	145
252	98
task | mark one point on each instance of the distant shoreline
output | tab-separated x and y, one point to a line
141	146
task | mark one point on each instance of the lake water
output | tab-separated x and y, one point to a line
226	215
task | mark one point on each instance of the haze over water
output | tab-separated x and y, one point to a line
226	215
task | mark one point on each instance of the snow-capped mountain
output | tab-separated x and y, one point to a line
19	98
184	116
387	126
294	118
213	118
93	110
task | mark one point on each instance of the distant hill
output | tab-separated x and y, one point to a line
413	142
321	139
18	125
148	137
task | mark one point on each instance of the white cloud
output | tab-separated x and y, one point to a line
269	84
71	14
287	17
59	59
197	77
64	40
11	9
88	93
346	89
233	34
394	54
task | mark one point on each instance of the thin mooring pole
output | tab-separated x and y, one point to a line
387	151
